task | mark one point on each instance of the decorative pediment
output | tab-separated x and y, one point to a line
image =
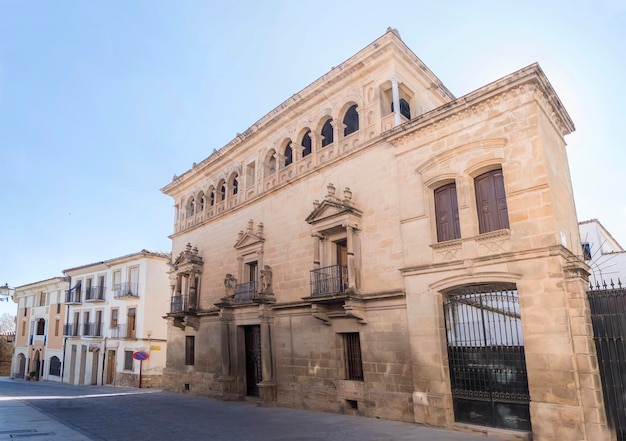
250	238
333	207
188	259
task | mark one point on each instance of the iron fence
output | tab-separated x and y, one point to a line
608	317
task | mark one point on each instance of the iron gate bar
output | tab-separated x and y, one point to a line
486	357
608	318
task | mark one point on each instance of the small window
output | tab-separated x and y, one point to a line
58	308
491	202
128	360
114	317
586	251
405	109
327	133
288	155
352	354
447	213
41	327
223	191
201	200
56	327
55	366
212	198
306	143
190	343
351	121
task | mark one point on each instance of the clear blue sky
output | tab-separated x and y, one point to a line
102	102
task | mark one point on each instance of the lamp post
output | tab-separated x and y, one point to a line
5	292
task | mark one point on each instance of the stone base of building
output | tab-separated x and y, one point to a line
132	380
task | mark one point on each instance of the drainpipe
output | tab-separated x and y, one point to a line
67	317
104	359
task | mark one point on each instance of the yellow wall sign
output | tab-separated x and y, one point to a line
155	348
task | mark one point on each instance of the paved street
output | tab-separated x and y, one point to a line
52	411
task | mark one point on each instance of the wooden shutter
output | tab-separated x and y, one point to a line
491	202
447	213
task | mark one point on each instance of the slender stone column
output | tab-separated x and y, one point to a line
396	102
350	253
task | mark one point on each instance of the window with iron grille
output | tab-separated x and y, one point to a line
190	349
352	355
128	360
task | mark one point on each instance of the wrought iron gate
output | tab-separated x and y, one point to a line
486	357
254	373
608	316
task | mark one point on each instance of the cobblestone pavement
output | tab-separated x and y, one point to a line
44	410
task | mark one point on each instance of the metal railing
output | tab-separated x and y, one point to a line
182	303
92	329
73	296
95	293
71	330
329	280
126	289
122	331
245	292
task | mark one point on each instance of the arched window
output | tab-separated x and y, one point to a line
491	201
447	213
351	120
55	366
201	201
191	207
306	143
41	326
327	133
235	184
270	163
212	197
288	154
222	190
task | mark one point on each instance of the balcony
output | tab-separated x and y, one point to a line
72	297
92	329
95	294
330	280
126	290
245	292
71	330
122	331
183	303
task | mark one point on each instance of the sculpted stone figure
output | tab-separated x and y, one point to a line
229	284
266	280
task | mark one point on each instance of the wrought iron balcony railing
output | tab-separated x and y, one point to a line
71	330
73	296
95	294
92	329
122	331
245	292
126	289
329	280
183	303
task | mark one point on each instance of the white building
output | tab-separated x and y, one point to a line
115	309
38	345
604	255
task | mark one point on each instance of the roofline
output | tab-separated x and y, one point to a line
390	37
57	279
530	73
109	262
596	221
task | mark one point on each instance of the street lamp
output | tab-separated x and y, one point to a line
5	292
